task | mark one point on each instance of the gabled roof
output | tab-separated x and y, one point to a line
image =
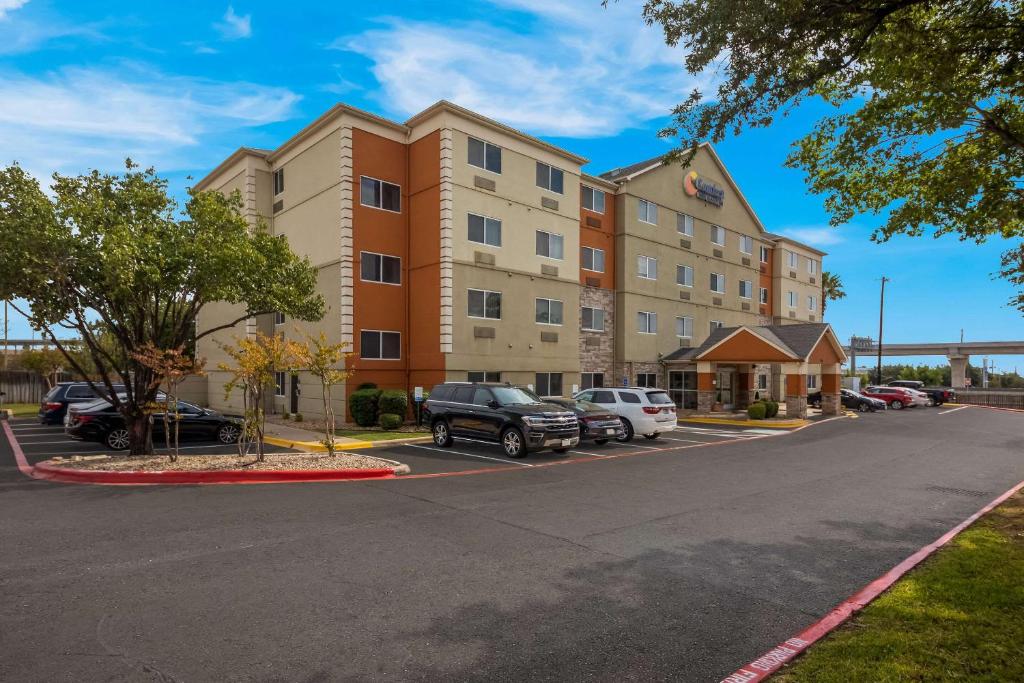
639	167
797	340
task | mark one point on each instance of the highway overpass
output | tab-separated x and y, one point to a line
958	353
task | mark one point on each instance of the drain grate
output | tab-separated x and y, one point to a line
959	492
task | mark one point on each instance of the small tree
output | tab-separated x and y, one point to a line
255	360
45	362
170	367
321	359
831	290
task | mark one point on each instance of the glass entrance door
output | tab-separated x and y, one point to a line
682	387
723	393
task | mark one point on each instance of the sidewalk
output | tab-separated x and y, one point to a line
300	439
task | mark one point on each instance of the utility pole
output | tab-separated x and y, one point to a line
881	311
4	364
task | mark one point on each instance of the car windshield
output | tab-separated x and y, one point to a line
514	396
659	398
587	406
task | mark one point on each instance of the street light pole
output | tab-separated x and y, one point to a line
881	311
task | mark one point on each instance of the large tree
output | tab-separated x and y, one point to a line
926	126
113	259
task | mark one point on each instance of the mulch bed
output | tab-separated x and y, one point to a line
193	463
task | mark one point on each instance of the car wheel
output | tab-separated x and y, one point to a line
652	437
228	433
863	407
442	437
627	431
600	442
939	403
512	442
897	405
117	439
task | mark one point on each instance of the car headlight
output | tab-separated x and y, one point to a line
533	421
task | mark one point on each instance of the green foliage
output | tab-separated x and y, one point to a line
367	385
771	409
390	421
925	128
757	411
394	401
362	404
298	417
831	289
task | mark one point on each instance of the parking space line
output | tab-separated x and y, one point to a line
650	448
670	438
952	410
470	455
596	455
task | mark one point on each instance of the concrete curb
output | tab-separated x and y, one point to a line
788	424
773	660
317	447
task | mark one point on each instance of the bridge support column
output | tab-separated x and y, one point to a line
958	371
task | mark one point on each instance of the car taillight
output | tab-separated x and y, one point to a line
82	418
51	406
652	410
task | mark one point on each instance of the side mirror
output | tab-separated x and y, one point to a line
493	405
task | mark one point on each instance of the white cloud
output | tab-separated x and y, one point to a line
88	118
9	6
234	26
815	235
582	71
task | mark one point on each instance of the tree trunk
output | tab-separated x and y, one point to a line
140	434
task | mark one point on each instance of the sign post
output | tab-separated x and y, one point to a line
417	396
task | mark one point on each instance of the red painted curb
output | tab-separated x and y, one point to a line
773	660
49	472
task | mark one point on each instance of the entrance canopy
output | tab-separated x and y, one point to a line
799	343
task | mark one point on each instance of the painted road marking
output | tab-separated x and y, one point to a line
470	455
596	455
947	412
670	438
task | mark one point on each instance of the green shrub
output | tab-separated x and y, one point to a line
771	408
393	401
390	421
298	417
362	404
756	411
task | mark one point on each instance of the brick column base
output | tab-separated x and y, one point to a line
796	407
830	404
705	400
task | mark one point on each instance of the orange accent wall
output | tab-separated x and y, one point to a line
830	384
705	381
824	352
746	347
599	238
765	280
796	385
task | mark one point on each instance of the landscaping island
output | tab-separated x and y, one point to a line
199	463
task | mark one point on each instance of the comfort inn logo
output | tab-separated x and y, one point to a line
698	187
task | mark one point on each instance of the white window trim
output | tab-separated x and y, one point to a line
812	303
648	203
544	298
721	283
550	235
398	332
649	259
792	300
548	189
751	295
380	282
380	208
692	224
680	284
684	317
746	238
604	199
592	329
593	249
274	181
812	268
280	387
763	254
486	145
792	259
763	299
649	314
276	314
486	292
716	228
486	218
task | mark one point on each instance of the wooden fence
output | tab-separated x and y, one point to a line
997	398
24	387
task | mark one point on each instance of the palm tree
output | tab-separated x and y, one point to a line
831	289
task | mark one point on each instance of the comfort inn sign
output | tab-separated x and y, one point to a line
698	187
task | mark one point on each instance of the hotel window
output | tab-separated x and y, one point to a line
684	276
647	379
792	299
593	259
593	200
716	324
549	245
812	267
764	254
592	319
484	304
718	235
278	181
484	230
380	268
684	327
647	267
684	224
647	322
647	212
484	155
591	380
792	259
380	194
549	178
812	303
764	295
279	380
812	381
549	312
278	318
746	244
479	376
380	345
762	381
746	289
717	283
548	384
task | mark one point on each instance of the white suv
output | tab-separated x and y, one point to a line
647	411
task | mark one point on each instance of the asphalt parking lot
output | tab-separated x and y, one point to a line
679	564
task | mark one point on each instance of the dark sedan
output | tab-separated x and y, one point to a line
100	421
850	399
597	424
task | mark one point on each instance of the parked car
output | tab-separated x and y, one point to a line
850	399
54	406
896	398
596	423
939	395
919	397
100	421
646	411
514	417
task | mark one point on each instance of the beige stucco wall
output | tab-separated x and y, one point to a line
804	283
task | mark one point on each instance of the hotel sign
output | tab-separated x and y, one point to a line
698	187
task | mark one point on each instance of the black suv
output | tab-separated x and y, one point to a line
514	417
54	405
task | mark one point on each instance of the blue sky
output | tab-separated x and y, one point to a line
180	85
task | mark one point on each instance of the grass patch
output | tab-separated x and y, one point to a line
22	409
959	616
377	435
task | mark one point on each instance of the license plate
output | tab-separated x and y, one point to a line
609	431
566	442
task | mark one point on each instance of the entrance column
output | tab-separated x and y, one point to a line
705	386
958	371
796	390
831	404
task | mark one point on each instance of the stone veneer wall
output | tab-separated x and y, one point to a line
631	369
597	349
